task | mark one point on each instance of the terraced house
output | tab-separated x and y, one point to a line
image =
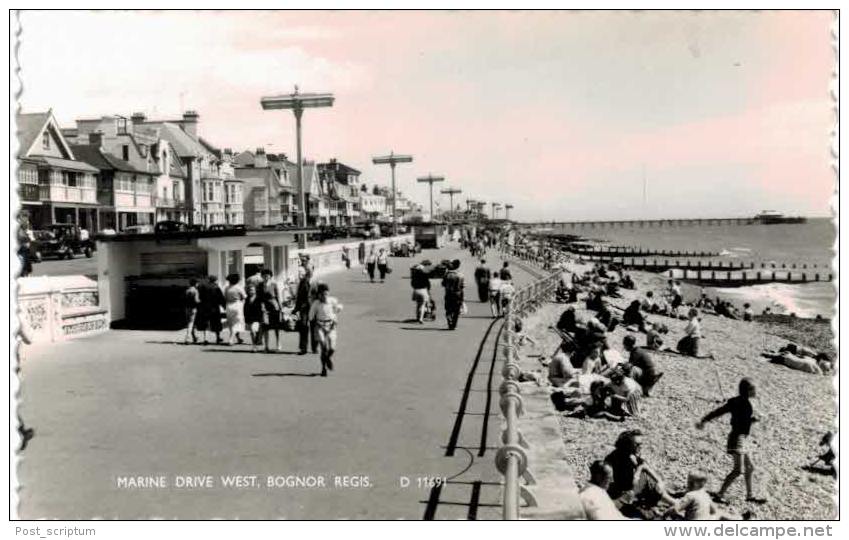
342	187
204	189
54	186
268	194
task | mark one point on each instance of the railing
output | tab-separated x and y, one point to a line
512	459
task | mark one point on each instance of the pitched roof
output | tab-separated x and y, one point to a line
92	155
29	126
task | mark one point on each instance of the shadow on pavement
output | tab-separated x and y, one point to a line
424	328
284	375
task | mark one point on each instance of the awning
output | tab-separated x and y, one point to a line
68	164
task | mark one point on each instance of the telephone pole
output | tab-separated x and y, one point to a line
430	180
392	160
451	192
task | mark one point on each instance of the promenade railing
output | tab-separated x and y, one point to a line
512	458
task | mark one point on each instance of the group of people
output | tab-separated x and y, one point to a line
495	286
262	308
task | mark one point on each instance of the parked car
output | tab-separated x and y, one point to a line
61	240
226	227
162	227
137	229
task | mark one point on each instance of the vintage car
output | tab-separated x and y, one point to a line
61	240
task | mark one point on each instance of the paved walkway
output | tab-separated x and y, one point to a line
132	403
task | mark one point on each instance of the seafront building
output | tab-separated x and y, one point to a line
342	185
54	186
268	195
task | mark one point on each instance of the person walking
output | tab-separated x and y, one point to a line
482	277
324	313
211	304
742	417
420	282
453	283
371	263
361	253
495	293
192	301
346	257
255	316
269	295
303	302
383	264
234	308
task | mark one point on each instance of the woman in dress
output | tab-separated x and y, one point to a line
255	316
269	294
209	315
234	298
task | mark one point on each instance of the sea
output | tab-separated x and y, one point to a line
811	243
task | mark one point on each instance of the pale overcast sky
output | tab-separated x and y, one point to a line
558	113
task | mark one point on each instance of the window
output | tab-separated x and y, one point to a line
125	152
45	140
69	179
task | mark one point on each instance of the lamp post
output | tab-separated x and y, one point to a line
297	102
392	159
451	192
507	208
430	180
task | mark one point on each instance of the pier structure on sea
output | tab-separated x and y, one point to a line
642	223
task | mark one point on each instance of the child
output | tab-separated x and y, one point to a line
689	344
324	312
742	417
192	297
696	505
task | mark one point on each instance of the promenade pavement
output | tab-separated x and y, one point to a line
135	404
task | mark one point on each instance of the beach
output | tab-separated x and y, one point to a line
796	409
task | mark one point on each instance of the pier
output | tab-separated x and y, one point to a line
643	223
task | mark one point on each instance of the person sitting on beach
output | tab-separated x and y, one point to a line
560	368
696	505
595	301
742	417
644	367
568	320
597	504
648	303
748	312
627	282
827	457
704	303
605	317
592	362
654	339
613	290
636	488
633	316
579	404
626	392
689	344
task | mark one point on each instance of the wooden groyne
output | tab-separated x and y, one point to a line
643	223
727	273
626	251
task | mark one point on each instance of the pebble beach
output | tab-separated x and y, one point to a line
796	408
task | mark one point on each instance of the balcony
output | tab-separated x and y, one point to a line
55	193
29	192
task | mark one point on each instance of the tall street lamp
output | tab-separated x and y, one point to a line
298	102
430	179
392	159
451	192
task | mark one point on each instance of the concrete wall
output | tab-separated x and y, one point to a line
60	307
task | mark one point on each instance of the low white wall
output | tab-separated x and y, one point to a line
60	307
328	258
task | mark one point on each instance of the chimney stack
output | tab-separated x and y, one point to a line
260	159
96	139
138	118
190	123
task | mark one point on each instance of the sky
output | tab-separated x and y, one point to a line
564	115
